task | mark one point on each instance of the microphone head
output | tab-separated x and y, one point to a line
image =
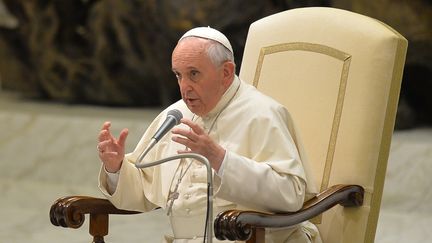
176	114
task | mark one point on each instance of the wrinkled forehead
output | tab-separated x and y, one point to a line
191	46
191	51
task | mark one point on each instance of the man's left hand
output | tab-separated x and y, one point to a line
198	141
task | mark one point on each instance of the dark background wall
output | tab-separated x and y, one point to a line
117	53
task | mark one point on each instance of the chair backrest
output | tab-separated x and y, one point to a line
339	75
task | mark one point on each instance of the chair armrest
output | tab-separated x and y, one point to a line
69	211
239	225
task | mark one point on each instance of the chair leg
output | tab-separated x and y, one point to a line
258	236
98	239
98	227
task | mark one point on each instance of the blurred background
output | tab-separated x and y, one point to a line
67	66
118	53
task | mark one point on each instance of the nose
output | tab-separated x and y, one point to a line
185	85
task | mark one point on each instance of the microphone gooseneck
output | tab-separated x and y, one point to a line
209	219
173	118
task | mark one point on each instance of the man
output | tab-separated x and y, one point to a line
247	137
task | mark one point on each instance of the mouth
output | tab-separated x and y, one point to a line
191	100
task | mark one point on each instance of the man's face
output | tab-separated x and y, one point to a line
201	82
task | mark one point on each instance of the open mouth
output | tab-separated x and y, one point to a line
191	100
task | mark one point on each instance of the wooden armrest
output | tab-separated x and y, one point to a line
239	225
69	212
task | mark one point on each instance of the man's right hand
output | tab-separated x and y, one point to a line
111	150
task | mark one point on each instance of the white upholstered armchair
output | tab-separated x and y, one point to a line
339	74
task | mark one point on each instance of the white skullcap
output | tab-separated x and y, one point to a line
209	33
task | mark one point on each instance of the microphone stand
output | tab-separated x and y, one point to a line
202	159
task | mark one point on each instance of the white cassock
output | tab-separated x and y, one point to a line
262	169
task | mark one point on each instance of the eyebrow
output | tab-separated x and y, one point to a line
187	68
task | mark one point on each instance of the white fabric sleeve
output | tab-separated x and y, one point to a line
286	191
221	168
112	180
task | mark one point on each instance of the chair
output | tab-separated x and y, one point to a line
339	74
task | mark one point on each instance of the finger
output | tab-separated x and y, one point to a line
102	135
122	138
106	125
110	155
186	142
105	143
183	151
185	133
195	127
103	146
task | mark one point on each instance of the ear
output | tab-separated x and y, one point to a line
228	73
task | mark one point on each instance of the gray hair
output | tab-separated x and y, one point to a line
217	52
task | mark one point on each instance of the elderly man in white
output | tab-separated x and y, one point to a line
248	138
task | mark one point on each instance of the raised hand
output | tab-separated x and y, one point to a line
111	150
198	141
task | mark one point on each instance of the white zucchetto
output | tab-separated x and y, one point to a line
209	33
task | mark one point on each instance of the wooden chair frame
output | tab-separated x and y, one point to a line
69	212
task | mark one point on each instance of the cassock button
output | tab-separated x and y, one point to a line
187	196
188	210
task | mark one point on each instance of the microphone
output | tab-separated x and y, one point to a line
173	118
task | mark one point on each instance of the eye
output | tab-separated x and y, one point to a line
194	75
